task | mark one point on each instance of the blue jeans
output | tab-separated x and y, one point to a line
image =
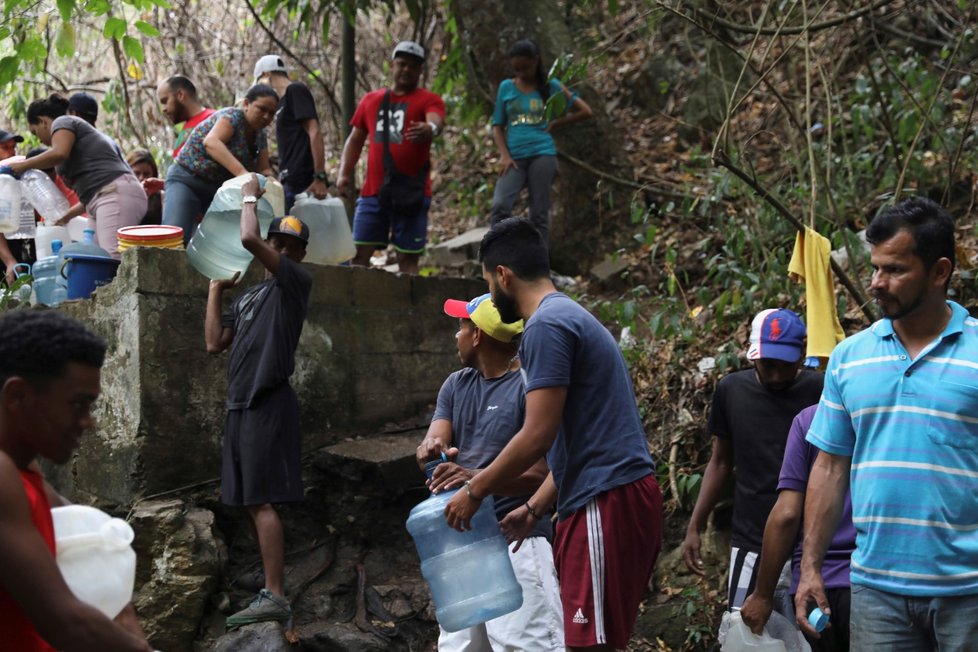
186	197
899	623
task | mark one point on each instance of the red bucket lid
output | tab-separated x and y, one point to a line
150	233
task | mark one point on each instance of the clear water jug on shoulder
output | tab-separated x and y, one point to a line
215	250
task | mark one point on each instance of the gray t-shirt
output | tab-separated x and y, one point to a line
267	320
485	413
601	443
94	161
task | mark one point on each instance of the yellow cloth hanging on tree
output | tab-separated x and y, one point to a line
810	263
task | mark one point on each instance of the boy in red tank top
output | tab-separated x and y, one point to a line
50	367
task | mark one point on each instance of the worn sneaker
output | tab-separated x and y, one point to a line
266	606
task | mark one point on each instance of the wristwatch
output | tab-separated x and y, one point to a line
320	176
434	129
249	199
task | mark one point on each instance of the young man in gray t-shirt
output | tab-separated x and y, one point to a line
479	409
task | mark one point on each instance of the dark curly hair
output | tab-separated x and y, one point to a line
39	344
52	106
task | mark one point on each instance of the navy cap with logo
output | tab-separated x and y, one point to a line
776	333
6	136
289	225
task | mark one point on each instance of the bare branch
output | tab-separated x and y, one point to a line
816	27
721	159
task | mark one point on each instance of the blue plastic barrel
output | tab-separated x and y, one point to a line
469	573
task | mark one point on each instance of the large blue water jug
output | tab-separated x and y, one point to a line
469	573
47	271
215	250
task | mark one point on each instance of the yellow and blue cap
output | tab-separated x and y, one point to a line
483	313
289	225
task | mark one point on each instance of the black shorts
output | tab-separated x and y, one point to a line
262	452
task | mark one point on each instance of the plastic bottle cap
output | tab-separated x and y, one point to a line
818	619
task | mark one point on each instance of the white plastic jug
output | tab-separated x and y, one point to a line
94	556
740	639
9	204
44	195
77	227
44	235
330	239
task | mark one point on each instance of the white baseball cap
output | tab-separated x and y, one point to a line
269	63
409	48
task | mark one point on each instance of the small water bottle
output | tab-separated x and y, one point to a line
818	619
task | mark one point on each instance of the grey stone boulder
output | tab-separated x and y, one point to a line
260	637
459	249
179	563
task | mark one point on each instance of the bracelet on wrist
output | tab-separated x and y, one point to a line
468	490
532	511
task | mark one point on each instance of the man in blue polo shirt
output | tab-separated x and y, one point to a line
899	419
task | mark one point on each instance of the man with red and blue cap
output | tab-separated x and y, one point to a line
480	408
751	415
261	464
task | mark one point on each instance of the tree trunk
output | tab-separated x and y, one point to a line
583	209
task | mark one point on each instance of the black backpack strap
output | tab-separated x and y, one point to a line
386	111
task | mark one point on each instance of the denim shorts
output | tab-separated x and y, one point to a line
372	225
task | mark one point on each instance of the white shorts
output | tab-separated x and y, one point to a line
536	626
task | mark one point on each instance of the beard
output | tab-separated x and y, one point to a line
893	309
506	305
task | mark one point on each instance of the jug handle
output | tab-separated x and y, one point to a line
62	271
115	533
21	266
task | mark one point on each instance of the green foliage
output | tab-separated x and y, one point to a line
30	32
15	294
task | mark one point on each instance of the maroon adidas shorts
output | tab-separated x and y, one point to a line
604	553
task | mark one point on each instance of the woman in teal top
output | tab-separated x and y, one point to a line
527	153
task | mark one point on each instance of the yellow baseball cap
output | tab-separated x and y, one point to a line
483	313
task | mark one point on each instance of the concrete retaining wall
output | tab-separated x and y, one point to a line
375	347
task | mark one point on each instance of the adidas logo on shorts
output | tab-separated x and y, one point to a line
579	617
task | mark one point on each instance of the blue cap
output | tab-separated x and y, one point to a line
818	619
776	333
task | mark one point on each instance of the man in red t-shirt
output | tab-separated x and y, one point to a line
416	116
50	374
178	100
